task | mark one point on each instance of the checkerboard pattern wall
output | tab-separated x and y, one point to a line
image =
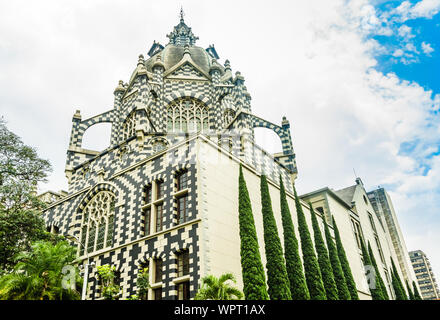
144	152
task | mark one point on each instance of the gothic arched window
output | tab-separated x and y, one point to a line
187	115
228	116
98	222
128	127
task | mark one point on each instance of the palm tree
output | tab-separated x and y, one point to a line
40	274
214	288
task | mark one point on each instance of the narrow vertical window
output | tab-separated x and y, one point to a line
92	234
183	291
182	209
147	221
159	190
110	228
183	263
158	266
147	194
182	180
157	294
159	217
379	248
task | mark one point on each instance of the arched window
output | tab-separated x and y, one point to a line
187	115
228	116
158	146
128	127
98	222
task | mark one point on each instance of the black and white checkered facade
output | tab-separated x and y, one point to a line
142	150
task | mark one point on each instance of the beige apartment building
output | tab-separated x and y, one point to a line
425	276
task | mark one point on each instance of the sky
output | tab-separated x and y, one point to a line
358	80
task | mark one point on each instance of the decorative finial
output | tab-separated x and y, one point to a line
227	65
141	59
181	14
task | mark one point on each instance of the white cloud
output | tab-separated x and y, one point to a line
343	113
421	9
427	49
398	53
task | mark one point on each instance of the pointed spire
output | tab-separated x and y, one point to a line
181	14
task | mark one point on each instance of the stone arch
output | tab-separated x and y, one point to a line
283	133
155	140
105	186
151	255
80	127
187	94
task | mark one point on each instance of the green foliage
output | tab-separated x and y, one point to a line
397	284
110	290
338	273
134	297
214	288
20	171
376	291
20	221
277	279
416	292
381	283
311	267
143	283
297	280
323	260
410	293
38	274
351	285
254	280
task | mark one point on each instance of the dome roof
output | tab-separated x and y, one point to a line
172	54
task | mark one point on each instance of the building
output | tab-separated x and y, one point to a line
383	207
355	215
51	196
425	276
164	194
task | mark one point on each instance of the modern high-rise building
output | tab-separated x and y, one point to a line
425	276
383	207
164	194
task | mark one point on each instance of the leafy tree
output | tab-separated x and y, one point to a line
381	283
214	288
376	291
254	280
39	274
297	280
311	267
397	284
143	283
107	276
277	279
20	171
338	273
323	260
416	292
20	220
351	285
411	295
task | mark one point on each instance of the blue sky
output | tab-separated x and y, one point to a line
420	46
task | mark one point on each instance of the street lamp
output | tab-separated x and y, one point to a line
86	270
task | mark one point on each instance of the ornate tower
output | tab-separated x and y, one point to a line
152	196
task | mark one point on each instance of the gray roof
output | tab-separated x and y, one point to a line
346	194
172	54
